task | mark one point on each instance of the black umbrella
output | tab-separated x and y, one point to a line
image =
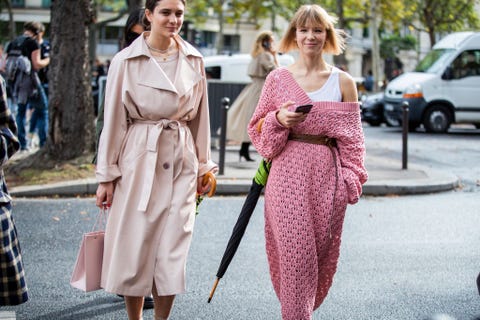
258	183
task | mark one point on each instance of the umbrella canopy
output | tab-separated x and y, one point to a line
258	183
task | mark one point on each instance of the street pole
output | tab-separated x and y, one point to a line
223	135
375	45
405	135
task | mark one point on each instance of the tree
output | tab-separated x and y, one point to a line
71	109
225	11
12	32
442	16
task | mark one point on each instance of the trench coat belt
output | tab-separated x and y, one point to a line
152	153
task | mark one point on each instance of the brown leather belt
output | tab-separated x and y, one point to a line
309	138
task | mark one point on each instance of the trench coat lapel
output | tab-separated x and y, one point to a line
154	77
186	77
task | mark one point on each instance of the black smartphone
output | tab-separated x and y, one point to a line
305	108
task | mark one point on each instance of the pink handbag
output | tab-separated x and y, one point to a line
87	272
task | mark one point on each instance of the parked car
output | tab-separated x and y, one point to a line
373	111
233	68
443	89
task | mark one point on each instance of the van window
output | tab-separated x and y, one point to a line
434	60
467	64
214	72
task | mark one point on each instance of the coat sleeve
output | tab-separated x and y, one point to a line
200	128
268	136
115	125
351	149
267	62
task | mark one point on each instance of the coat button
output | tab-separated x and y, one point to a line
166	166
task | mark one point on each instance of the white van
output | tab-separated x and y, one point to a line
233	68
443	89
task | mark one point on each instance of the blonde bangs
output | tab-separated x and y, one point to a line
314	15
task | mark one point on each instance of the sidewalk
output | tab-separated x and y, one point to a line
385	177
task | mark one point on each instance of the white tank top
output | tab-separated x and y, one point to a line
330	91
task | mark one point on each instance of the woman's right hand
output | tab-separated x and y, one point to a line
287	118
105	194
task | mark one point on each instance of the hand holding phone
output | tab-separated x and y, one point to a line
305	108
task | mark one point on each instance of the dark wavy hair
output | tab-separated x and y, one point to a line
150	5
135	17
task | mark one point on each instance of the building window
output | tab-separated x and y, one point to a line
46	4
18	3
231	43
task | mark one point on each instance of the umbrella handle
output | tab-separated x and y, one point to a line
209	177
212	292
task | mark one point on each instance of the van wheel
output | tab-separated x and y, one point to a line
437	119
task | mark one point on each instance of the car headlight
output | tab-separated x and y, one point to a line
413	91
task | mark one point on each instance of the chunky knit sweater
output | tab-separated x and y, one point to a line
307	191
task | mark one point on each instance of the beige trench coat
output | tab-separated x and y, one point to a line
154	144
244	105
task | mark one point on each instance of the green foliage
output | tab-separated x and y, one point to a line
443	16
390	45
112	5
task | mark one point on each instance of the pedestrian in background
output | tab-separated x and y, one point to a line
369	81
39	119
263	61
23	92
153	153
132	30
13	288
317	162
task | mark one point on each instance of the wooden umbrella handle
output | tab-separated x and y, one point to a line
213	290
209	177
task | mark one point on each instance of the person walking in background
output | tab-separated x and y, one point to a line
317	162
28	87
13	288
39	103
132	30
263	61
153	153
3	59
369	81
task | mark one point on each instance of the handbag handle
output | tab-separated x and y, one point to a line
101	220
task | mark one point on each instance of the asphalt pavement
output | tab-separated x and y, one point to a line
386	177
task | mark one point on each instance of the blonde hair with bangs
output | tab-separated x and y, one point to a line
317	16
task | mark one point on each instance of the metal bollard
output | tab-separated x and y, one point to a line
404	135
223	135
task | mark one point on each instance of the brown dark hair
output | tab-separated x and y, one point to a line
135	18
34	26
150	5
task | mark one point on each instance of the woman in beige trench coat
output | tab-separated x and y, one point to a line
153	151
263	61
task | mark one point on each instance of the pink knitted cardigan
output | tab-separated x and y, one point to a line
307	191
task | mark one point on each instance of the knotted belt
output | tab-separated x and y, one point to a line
331	143
152	153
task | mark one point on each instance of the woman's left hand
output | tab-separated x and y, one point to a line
206	184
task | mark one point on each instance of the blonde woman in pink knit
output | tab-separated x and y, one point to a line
317	162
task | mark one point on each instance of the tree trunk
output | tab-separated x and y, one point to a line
71	131
12	31
341	60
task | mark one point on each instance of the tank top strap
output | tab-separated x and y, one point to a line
330	91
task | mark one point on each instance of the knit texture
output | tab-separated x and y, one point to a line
304	201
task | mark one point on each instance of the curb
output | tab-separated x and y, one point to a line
399	183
